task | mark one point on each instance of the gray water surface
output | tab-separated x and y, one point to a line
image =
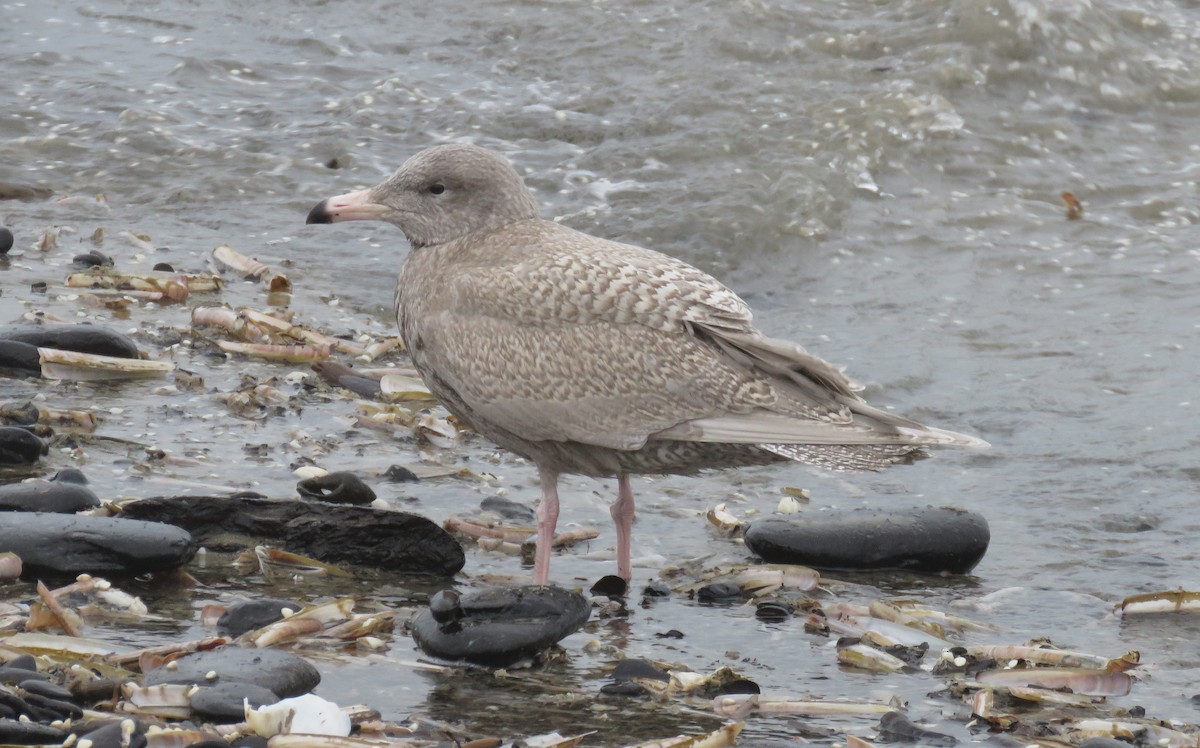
880	180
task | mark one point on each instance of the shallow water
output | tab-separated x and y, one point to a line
881	181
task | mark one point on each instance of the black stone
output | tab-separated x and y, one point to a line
29	733
657	588
91	259
719	592
61	709
928	539
773	610
281	673
739	686
224	700
40	686
82	338
111	735
22	662
16	676
46	496
163	267
509	509
401	474
70	475
333	533
247	615
342	487
498	627
610	585
71	544
19	446
6	240
631	668
249	741
340	375
895	727
20	359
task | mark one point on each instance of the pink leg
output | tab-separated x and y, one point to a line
547	517
622	514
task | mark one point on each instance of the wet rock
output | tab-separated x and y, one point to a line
20	446
70	475
929	539
46	496
29	733
126	733
82	338
19	359
281	673
611	586
509	510
498	627
249	741
341	488
224	700
657	588
22	662
75	544
6	240
333	533
719	592
400	474
894	727
247	615
91	259
42	687
631	668
343	376
13	191
739	686
773	611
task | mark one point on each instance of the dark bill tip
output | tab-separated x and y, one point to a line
320	213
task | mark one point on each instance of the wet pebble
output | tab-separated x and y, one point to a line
343	376
895	727
929	539
247	615
224	701
400	474
46	496
81	338
29	733
22	662
657	588
333	533
509	510
19	446
125	733
773	610
631	668
282	673
719	592
74	544
498	627
42	687
342	487
6	240
611	586
91	259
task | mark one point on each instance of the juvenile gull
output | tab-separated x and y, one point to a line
589	356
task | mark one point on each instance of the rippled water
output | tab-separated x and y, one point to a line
881	181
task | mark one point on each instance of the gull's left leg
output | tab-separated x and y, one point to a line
622	514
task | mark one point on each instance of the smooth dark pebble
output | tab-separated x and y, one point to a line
610	585
111	735
39	286
247	615
24	358
29	733
894	726
81	338
42	687
669	634
333	163
719	592
631	668
249	741
498	627
77	543
20	413
46	496
773	610
163	267
224	700
70	475
739	686
283	673
656	589
508	509
342	487
20	447
23	662
401	474
623	688
928	539
16	676
6	240
91	259
59	707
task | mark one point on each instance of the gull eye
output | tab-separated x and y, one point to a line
437	188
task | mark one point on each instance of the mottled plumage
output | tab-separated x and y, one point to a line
595	357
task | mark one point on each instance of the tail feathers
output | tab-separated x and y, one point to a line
849	456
